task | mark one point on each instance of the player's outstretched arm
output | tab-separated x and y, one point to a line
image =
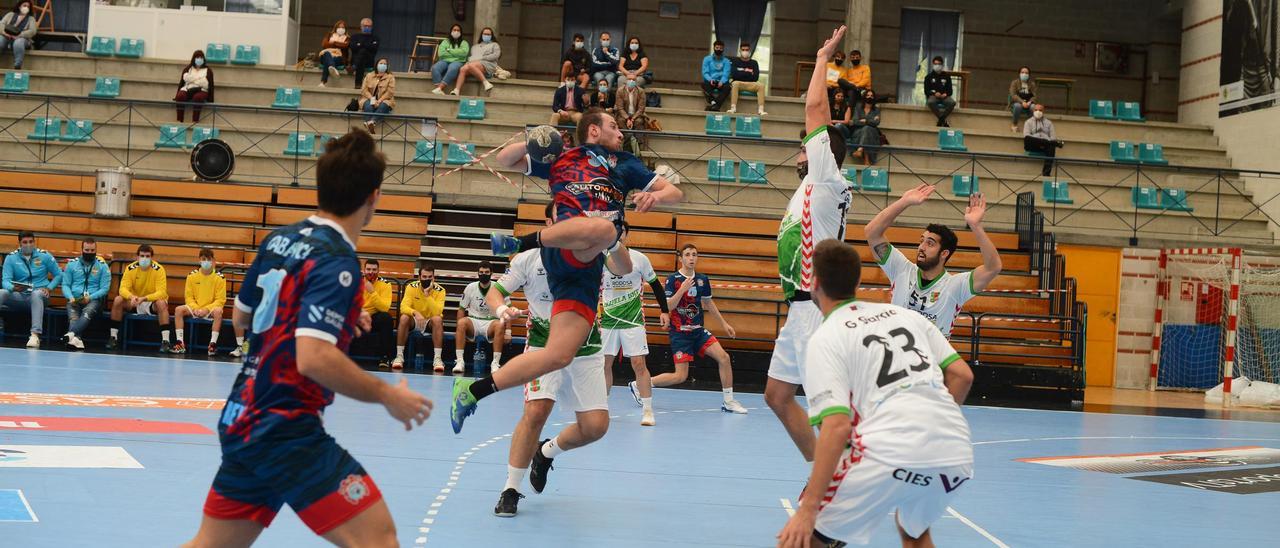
321	361
958	378
991	265
816	111
883	220
661	192
514	156
832	437
497	302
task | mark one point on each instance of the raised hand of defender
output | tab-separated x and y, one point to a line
918	195
405	405
976	210
829	47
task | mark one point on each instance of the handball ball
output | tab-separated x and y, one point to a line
544	144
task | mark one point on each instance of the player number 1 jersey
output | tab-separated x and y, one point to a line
815	213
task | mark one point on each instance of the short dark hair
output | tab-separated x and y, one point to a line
718	43
206	252
550	210
485	264
744	45
688	246
88	240
579	36
837	269
938	58
593	117
949	239
855	52
26	234
427	266
373	262
348	173
146	248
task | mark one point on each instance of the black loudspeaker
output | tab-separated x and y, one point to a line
212	160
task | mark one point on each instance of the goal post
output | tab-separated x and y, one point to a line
1194	337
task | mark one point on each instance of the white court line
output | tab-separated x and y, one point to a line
975	527
30	512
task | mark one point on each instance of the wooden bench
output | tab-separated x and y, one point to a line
417	204
382	222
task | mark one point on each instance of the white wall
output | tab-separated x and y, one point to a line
174	34
1201	58
1138	269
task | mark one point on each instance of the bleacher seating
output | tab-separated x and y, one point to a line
460	154
202	134
1056	192
287	98
107	87
1122	151
301	144
721	170
471	109
1152	153
875	179
747	126
131	48
951	139
101	46
78	131
964	185
17	82
247	55
1128	111
752	173
172	136
1174	199
217	54
426	152
719	124
851	176
1145	198
47	129
1102	109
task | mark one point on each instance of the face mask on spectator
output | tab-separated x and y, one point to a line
198	61
24	10
855	62
837	60
603	87
577	45
366	30
746	53
144	262
206	264
484	278
341	31
27	249
1024	77
382	67
718	52
937	67
568	83
1038	114
88	257
604	43
486	37
631	83
635	47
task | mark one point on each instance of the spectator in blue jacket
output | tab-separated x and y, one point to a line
604	61
85	284
30	274
715	77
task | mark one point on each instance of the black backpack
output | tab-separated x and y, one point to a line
653	100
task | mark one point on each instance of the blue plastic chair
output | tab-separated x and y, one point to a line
106	87
47	129
301	144
964	185
1129	111
1144	198
202	134
17	82
426	152
217	54
101	46
287	98
1122	151
1174	199
875	179
247	55
851	176
719	124
748	126
78	131
752	172
720	170
460	154
131	48
951	139
471	109
1152	153
1102	109
172	137
1055	192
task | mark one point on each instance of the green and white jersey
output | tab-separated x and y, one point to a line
939	301
622	297
474	303
882	366
816	213
525	271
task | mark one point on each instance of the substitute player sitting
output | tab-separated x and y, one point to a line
422	306
884	387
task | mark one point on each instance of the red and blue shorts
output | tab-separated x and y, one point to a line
575	285
687	345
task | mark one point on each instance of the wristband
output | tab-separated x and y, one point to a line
502	311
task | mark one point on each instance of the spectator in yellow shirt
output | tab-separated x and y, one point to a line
423	304
144	290
856	81
206	296
377	302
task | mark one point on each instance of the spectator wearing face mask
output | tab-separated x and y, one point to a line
576	59
937	91
602	97
364	50
378	96
634	65
628	106
333	52
569	102
85	283
195	87
746	77
715	77
841	114
450	56
857	79
604	60
22	20
422	307
866	129
483	63
205	297
144	290
1039	136
1022	96
30	275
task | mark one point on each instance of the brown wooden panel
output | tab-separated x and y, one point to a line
385	245
755	247
144	231
45	181
717	224
197	211
402	224
903	236
650	219
47	223
47	202
222	192
405	203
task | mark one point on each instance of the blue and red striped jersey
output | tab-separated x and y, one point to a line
687	315
593	181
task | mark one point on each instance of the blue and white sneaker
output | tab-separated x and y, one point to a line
464	404
503	245
635	393
731	406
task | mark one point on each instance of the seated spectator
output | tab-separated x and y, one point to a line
206	296
85	284
1038	136
30	275
333	52
483	62
576	59
569	101
604	61
476	320
144	289
629	105
857	79
196	86
746	77
602	97
715	77
835	73
1022	96
364	50
450	56
22	20
634	65
377	302
378	96
841	115
866	129
937	90
422	306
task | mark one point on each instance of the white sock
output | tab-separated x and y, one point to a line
438	351
551	450
728	394
515	476
400	352
497	357
179	335
213	337
460	360
115	333
647	403
164	335
239	341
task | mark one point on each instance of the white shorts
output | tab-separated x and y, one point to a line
871	490
578	388
481	328
632	341
787	363
145	308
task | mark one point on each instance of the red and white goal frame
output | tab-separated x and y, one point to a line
1233	306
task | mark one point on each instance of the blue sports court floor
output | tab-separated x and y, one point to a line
699	478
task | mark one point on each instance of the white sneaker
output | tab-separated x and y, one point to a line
398	363
457	368
75	342
333	72
763	113
437	91
647	418
438	366
322	85
455	92
732	406
732	110
34	341
487	85
635	392
494	366
240	350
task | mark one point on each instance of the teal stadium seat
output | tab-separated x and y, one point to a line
1144	198
1055	192
172	137
720	170
247	55
752	172
851	177
1151	153
202	134
875	179
426	152
1102	109
1122	151
748	126
47	129
1129	111
963	185
1174	199
471	109
101	46
78	131
107	87
460	154
951	139
301	144
217	54
287	98
17	82
719	124
131	48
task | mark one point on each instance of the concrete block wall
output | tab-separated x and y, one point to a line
1136	317
1201	60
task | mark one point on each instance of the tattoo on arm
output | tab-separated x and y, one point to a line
880	250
